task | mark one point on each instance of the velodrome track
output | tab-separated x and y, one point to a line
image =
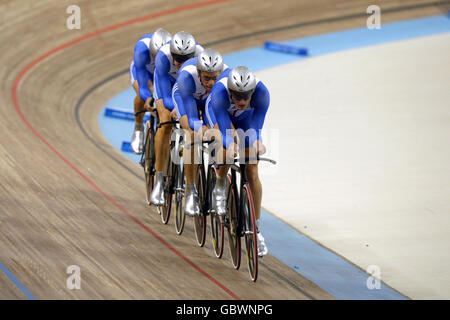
68	198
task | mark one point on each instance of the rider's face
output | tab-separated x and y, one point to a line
208	79
241	99
241	103
178	60
177	63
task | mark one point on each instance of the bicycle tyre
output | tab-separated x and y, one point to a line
180	215
149	165
200	220
217	234
234	239
168	191
250	232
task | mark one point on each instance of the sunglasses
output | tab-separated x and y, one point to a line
241	95
206	78
182	58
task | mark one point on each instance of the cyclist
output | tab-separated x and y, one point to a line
168	61
239	101
195	80
141	74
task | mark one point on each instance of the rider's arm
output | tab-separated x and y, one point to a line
217	105
186	87
162	80
141	59
260	102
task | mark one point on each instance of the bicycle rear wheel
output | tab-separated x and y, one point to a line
234	239
149	163
217	234
180	215
200	220
250	231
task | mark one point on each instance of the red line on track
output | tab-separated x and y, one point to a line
36	133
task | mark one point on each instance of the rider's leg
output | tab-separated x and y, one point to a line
219	192
138	102
162	137
256	189
221	155
188	152
137	142
191	206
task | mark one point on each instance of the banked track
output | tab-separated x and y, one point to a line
68	198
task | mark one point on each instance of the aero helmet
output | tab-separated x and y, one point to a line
209	60
159	38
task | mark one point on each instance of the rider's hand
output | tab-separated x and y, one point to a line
203	131
173	114
232	151
148	103
260	148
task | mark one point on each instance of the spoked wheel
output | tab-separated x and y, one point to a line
149	165
216	221
180	215
250	232
234	239
165	209
200	220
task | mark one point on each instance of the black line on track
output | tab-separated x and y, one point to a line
86	134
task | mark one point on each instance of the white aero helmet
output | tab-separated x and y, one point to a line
241	82
182	46
209	60
159	38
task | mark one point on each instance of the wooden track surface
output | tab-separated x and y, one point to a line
69	198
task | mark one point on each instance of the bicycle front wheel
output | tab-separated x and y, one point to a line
234	238
180	215
216	221
168	191
149	163
250	231
200	220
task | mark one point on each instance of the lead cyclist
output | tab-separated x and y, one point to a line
239	101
